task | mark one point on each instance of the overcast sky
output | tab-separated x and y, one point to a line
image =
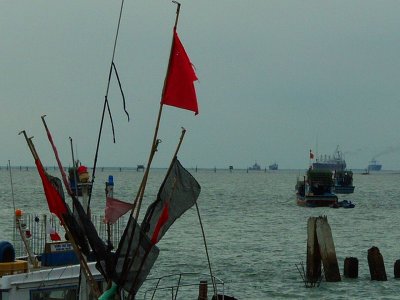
276	79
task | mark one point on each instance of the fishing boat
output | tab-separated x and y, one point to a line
374	165
343	182
343	179
52	273
273	166
316	189
126	268
78	177
335	162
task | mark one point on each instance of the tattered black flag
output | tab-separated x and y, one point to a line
178	193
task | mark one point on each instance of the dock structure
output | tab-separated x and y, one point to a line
320	248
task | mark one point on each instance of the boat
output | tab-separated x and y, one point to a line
126	268
255	167
343	182
374	165
273	166
344	204
366	172
78	178
343	179
316	189
51	273
336	162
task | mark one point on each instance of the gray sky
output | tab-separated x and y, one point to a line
276	78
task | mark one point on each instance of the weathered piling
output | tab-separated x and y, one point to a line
376	264
203	290
327	250
397	269
313	269
350	267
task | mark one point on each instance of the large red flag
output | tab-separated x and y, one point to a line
179	83
53	191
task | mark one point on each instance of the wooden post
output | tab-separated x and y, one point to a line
350	267
313	270
327	250
376	264
397	269
203	290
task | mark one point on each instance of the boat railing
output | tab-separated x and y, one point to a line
172	284
38	228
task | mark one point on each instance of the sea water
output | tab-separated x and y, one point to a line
255	232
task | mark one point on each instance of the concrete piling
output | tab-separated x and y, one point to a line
327	250
320	247
313	269
376	264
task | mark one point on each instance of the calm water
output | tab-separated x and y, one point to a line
255	232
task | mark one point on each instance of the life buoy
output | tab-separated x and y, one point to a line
7	252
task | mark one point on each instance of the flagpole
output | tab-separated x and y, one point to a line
82	260
129	264
138	201
74	168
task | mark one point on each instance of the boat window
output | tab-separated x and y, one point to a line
67	293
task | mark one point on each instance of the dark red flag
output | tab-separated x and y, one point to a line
115	209
311	155
52	191
179	88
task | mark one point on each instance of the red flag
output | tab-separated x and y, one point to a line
115	209
52	190
55	236
179	87
311	155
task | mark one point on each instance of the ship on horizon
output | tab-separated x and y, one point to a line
273	166
374	165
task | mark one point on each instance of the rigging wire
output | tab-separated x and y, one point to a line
106	104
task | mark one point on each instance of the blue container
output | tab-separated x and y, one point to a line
59	259
110	180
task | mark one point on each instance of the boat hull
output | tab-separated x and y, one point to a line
338	189
317	200
374	167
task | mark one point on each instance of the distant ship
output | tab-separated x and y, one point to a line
374	165
255	167
274	166
332	163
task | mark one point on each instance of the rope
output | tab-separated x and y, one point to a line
106	101
120	88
